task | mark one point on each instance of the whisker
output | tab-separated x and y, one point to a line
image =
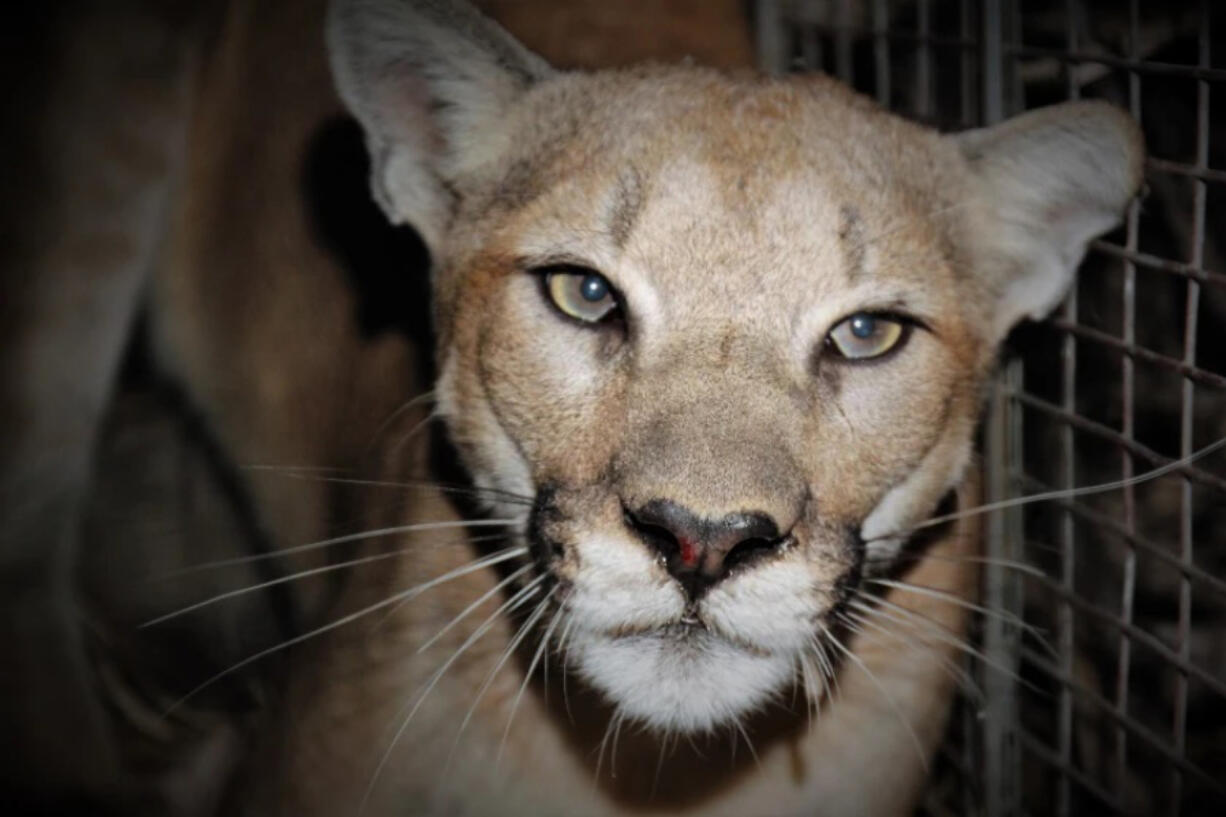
564	645
889	699
309	473
508	606
614	724
403	441
340	540
511	647
417	590
463	614
1063	493
500	495
809	684
825	662
1011	564
557	616
942	595
818	682
424	397
306	469
292	577
963	679
694	748
655	781
948	638
916	623
739	727
617	733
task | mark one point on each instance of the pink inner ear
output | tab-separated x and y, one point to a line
689	552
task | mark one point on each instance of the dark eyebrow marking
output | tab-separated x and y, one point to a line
627	206
851	237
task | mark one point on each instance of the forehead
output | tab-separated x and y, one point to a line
724	183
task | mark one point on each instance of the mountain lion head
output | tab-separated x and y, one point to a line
728	336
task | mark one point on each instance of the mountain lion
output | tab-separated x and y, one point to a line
711	351
714	346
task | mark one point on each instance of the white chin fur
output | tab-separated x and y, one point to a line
697	685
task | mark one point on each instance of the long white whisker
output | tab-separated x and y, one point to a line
463	614
1021	567
614	723
824	660
920	620
508	606
293	577
889	699
306	469
960	675
512	646
815	685
617	733
557	616
564	645
425	421
958	601
1064	493
749	743
346	619
424	397
655	781
340	540
410	484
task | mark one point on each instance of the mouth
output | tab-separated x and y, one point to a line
681	677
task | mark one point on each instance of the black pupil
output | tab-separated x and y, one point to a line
593	288
863	326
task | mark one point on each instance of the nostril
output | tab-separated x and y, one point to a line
752	550
658	537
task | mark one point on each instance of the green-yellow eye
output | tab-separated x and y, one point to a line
583	294
865	335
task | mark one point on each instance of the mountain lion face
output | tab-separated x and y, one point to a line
728	335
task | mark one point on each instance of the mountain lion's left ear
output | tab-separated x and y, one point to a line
1043	185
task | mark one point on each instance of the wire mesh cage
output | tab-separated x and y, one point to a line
1101	668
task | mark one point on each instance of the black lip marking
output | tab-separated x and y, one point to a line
545	551
848	584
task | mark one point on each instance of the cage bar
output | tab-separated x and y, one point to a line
1108	724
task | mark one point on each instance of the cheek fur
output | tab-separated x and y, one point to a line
774	607
878	428
552	384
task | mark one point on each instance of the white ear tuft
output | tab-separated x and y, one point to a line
427	79
1047	182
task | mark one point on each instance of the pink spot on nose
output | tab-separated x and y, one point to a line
689	551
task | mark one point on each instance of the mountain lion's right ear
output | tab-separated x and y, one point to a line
428	80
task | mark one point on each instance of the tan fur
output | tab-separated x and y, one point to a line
741	218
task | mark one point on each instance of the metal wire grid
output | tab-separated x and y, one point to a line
1119	705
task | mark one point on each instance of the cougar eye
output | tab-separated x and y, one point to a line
582	294
866	335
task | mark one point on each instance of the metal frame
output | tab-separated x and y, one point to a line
973	62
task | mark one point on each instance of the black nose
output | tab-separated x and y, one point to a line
700	552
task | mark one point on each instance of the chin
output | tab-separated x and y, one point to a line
682	679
